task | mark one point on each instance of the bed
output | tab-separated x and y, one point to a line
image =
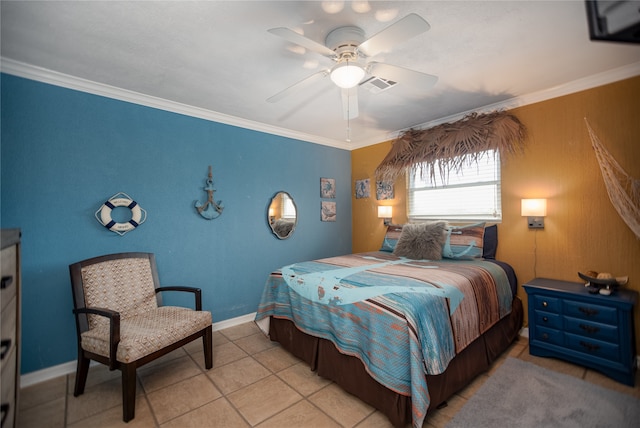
401	333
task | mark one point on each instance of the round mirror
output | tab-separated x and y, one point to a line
282	215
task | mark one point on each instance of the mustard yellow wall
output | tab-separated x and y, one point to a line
582	229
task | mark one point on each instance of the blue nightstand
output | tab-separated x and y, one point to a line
596	331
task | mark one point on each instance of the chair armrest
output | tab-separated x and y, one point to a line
114	329
196	291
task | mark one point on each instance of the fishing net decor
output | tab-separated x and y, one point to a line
623	190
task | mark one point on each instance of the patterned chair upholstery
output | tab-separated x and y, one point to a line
120	320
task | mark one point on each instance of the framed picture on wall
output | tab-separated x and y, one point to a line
384	190
328	211
363	189
327	187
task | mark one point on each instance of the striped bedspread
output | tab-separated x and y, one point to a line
402	318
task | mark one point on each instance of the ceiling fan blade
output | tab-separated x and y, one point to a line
350	103
404	29
307	81
293	37
415	79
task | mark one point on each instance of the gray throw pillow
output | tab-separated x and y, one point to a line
422	241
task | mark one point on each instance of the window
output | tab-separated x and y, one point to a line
472	194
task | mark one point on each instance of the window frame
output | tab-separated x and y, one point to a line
468	167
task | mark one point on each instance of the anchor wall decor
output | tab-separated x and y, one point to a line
210	209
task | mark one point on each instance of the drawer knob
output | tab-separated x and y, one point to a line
545	319
589	328
588	311
545	304
589	346
5	345
6	281
545	336
4	408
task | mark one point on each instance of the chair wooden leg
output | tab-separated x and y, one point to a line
207	341
82	371
128	391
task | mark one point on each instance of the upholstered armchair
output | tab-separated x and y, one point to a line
120	320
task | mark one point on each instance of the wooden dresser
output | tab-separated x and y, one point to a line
593	330
10	326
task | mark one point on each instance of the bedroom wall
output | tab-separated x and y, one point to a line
582	229
65	152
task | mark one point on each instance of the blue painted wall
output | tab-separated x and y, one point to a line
65	152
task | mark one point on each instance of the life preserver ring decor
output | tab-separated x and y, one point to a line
103	215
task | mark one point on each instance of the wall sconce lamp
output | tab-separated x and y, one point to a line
385	213
535	210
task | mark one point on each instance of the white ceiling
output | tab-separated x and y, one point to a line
215	59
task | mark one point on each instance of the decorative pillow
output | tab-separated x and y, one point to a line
391	238
490	242
465	242
422	241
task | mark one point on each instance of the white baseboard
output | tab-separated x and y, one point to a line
38	376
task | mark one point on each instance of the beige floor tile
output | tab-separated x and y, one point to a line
276	359
167	373
227	353
217	414
242	330
255	343
96	399
43	392
177	399
49	414
98	373
301	378
376	420
263	399
341	406
195	347
219	338
301	414
112	418
173	355
235	375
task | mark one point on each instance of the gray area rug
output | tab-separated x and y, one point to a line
522	394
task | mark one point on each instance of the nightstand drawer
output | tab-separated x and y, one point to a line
547	319
597	348
546	303
591	312
588	329
549	335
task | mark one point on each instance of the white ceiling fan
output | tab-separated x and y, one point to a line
349	49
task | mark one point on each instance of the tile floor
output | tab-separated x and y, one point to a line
253	383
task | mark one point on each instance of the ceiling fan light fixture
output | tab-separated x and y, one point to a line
347	75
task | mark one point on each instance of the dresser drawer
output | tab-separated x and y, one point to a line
549	335
7	332
547	319
9	275
590	311
589	329
596	348
547	303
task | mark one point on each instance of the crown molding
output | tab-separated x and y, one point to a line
44	75
55	78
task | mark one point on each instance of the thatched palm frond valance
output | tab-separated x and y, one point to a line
449	146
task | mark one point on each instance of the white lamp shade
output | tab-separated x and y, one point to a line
534	207
347	75
384	211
